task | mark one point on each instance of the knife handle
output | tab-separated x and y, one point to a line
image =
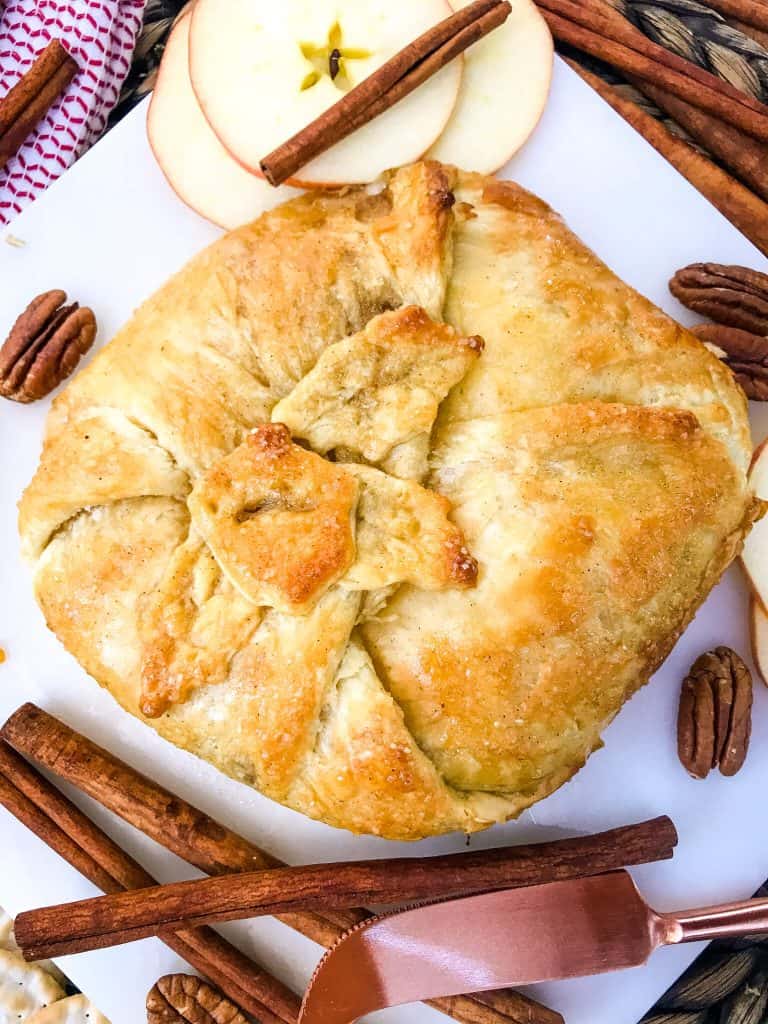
728	920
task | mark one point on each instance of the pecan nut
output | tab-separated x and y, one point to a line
185	999
44	346
715	716
745	353
734	296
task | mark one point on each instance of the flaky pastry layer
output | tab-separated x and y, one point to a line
559	503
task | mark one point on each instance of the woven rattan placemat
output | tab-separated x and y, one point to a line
728	984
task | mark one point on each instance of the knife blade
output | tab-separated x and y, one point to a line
514	937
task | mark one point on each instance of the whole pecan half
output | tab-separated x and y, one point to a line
185	999
734	296
44	346
715	717
745	353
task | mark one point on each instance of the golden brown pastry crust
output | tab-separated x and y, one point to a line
404	535
278	519
379	390
591	523
592	459
191	626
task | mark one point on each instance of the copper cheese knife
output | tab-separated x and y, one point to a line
515	937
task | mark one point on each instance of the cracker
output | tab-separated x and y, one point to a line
7	940
50	968
74	1010
24	988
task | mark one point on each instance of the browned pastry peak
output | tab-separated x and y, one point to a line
278	518
376	393
404	535
271	512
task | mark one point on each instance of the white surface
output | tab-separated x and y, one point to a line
110	232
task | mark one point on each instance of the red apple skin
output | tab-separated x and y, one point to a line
175	126
753	588
756	455
756	613
753	591
760	452
525	32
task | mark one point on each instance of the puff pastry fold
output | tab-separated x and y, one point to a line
302	521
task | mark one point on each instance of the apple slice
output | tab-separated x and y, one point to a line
503	92
754	557
758	629
264	69
196	165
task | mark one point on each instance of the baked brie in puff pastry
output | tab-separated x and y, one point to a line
387	502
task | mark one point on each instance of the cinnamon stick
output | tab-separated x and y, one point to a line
178	826
37	821
124	917
742	154
500	1000
71	834
211	846
570	23
517	1008
389	84
741	207
44	67
602	17
33	96
751	12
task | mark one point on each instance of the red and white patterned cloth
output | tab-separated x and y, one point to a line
100	35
